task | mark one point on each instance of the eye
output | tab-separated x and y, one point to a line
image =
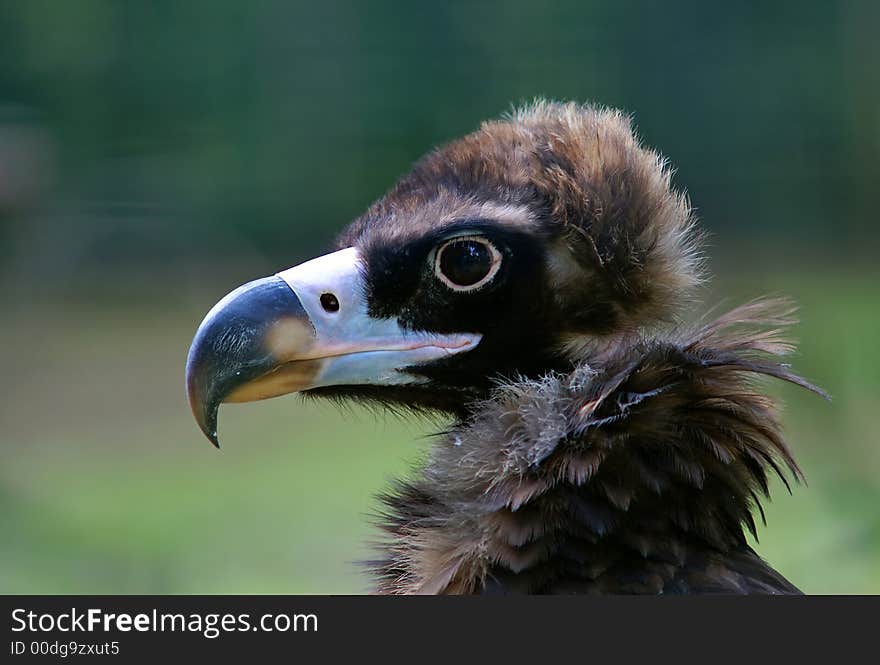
466	264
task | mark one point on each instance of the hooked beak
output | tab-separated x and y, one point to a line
306	327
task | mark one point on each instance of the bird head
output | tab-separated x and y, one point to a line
512	252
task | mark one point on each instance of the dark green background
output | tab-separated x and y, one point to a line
153	155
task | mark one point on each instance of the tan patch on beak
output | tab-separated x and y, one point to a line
289	378
290	339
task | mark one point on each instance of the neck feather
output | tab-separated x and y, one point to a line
640	471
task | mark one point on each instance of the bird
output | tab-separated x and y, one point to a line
533	283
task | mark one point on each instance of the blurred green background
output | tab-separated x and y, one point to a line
153	155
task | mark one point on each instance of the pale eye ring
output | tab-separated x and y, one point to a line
467	263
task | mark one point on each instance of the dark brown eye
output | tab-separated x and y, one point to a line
465	264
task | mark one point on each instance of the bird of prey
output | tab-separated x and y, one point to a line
530	281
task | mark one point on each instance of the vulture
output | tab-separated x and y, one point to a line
530	282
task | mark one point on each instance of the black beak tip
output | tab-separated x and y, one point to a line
204	409
201	391
208	425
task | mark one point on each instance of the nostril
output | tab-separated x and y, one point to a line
329	302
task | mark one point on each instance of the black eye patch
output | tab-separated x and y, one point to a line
421	280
